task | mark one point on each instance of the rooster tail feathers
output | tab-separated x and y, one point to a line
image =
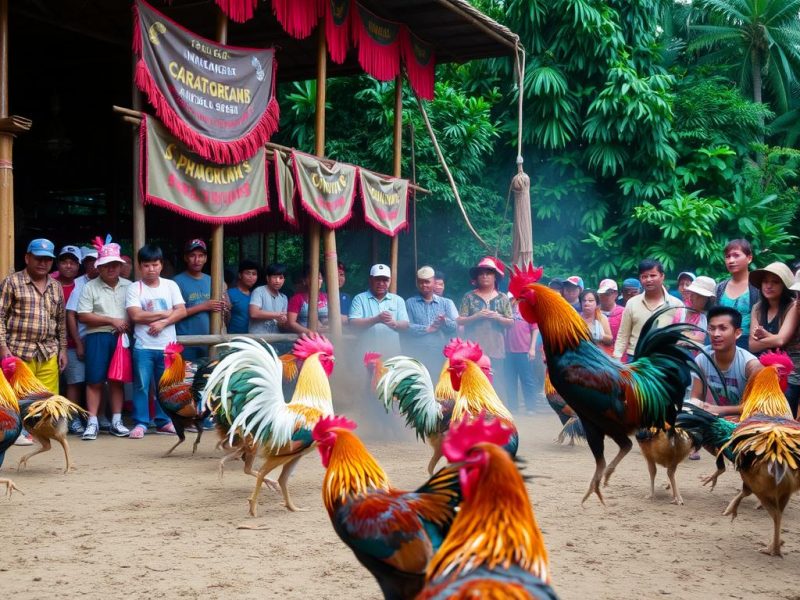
55	408
290	368
407	381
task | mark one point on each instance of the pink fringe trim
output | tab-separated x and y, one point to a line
214	150
238	10
298	17
338	36
421	77
382	62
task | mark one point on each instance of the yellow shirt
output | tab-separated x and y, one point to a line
636	313
101	299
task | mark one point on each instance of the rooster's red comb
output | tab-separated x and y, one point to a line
174	348
522	278
777	358
370	358
460	350
325	424
310	344
472	431
8	365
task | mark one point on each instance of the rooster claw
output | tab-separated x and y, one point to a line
10	487
272	484
294	508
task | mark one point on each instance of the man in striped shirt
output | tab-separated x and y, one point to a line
32	316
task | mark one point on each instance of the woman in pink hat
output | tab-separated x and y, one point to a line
486	313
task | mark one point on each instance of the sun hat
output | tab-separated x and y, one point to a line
607	285
71	250
380	270
705	286
41	247
109	253
688	274
574	280
490	263
195	244
777	268
426	272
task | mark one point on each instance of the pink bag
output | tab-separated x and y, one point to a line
121	367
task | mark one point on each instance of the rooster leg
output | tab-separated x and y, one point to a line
733	507
269	464
651	467
235	453
283	481
595	439
63	441
45	446
775	510
436	443
676	495
178	443
625	445
199	435
10	487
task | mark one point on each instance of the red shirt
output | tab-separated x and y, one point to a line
614	320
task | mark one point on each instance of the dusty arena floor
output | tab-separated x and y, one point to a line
127	523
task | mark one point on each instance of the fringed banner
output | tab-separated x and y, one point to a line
298	17
337	29
378	44
175	178
326	193
420	64
219	100
238	10
284	181
385	202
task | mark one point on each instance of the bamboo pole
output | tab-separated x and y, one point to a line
218	233
398	155
139	222
6	157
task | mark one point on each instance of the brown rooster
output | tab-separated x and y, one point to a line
45	415
668	449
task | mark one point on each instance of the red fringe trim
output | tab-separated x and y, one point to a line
309	208
382	62
238	10
338	35
216	151
421	77
298	17
136	40
145	198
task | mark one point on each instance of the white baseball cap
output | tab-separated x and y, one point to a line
380	270
607	285
87	252
73	250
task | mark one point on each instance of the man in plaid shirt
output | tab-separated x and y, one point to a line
32	316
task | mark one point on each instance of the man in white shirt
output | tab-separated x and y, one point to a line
154	305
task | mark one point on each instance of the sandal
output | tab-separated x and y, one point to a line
137	432
167	429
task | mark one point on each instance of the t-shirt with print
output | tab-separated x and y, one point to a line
194	292
735	376
298	304
164	296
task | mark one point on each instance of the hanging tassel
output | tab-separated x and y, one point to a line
136	40
420	62
337	29
238	10
298	17
378	44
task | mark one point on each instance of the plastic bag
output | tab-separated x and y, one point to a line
121	367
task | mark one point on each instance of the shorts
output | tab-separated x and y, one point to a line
76	369
99	350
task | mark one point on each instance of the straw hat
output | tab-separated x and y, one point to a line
776	268
705	286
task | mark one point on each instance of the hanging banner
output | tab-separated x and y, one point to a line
238	10
219	100
337	29
284	181
326	193
385	202
175	178
378	44
298	17
420	64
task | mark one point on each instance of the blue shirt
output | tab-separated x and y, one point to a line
194	292
240	311
422	314
379	337
344	303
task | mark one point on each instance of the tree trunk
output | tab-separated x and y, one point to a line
755	66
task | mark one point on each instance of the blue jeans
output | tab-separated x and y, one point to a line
519	367
148	366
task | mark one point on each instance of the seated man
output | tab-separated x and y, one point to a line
736	364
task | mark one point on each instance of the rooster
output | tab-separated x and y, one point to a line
610	398
393	533
10	426
178	394
571	424
374	365
246	388
494	549
45	415
469	372
766	449
668	449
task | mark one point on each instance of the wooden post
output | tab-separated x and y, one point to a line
217	233
398	155
6	157
139	227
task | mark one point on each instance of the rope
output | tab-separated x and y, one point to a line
519	66
448	173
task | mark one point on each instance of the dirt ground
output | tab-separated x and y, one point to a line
127	523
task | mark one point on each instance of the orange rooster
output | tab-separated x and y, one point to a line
374	365
766	448
494	549
430	411
10	426
392	533
245	388
45	415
